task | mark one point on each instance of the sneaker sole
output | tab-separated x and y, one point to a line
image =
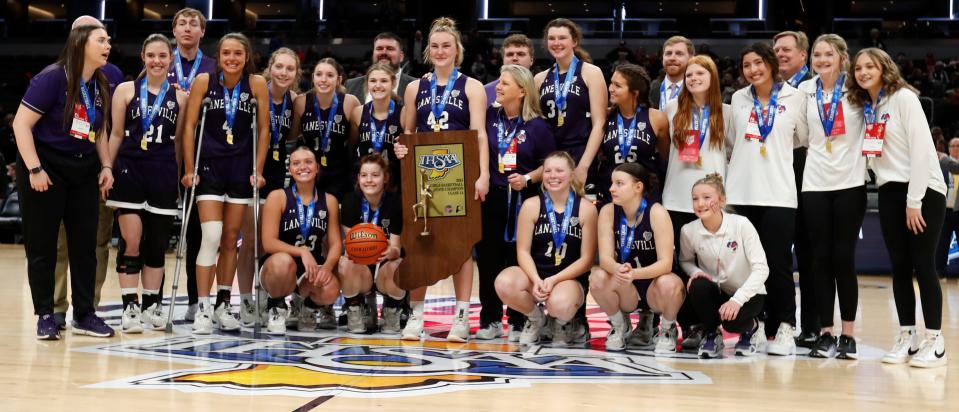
457	339
937	364
49	337
410	338
704	355
132	330
847	356
91	333
780	352
894	361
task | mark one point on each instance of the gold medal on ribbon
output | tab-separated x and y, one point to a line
229	137
276	155
762	150
557	258
828	145
699	161
323	160
143	144
502	167
436	127
92	136
562	119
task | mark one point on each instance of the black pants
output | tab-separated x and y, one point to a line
775	227
834	219
809	316
707	298
687	314
73	199
493	254
910	253
950	226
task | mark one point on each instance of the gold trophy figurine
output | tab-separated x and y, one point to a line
425	193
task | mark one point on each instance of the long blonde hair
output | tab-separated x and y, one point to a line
445	25
574	183
683	119
524	79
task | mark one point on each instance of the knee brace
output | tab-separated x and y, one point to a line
209	243
131	265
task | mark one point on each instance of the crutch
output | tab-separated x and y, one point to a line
185	216
256	223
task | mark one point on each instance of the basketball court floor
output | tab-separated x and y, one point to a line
327	371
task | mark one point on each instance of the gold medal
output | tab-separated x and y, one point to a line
276	155
828	145
562	119
323	160
502	168
229	137
762	150
143	144
92	136
699	161
557	258
436	127
305	246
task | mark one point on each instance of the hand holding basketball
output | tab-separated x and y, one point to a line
365	243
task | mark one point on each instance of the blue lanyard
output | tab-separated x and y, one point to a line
276	122
625	137
559	232
147	116
305	220
325	139
662	94
561	93
231	101
627	234
378	136
869	111
438	107
504	137
365	204
766	122
829	119
185	83
88	102
701	123
512	208
797	78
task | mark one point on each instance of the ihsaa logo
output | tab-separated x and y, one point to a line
439	162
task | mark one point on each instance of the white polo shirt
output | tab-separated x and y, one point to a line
733	256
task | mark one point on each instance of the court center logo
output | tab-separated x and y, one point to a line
365	367
439	162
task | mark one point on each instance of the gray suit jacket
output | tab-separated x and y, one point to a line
357	86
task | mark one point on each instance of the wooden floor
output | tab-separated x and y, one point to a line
157	372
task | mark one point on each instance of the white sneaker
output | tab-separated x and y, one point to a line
712	345
752	343
785	342
546	331
327	317
247	313
355	322
191	312
414	327
460	330
276	325
616	339
574	332
666	340
293	317
514	332
203	321
391	321
306	321
932	353
130	320
492	331
223	318
642	336
153	318
531	330
907	344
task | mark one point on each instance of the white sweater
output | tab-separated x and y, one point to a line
845	167
680	176
755	180
733	256
908	154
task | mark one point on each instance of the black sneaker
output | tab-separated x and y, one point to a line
825	346
47	328
807	339
693	338
61	319
846	348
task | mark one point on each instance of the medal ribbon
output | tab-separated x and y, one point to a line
797	78
505	137
559	232
231	101
186	82
365	204
828	119
378	136
276	122
561	93
438	108
869	111
625	137
627	233
701	123
88	102
147	114
766	122
325	139
304	219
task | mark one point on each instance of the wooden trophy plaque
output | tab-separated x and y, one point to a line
441	219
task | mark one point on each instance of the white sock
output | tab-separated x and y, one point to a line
417	307
400	297
204	301
617	319
910	329
151	291
666	324
128	291
224	287
246	298
534	314
933	333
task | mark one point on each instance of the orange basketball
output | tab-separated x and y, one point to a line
365	243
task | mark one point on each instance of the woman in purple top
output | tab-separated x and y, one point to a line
520	141
224	184
146	121
447	100
572	95
59	166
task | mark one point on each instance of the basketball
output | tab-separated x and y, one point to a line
365	243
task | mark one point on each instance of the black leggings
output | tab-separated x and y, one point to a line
775	227
809	316
73	199
687	315
154	236
707	298
834	220
493	254
910	253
